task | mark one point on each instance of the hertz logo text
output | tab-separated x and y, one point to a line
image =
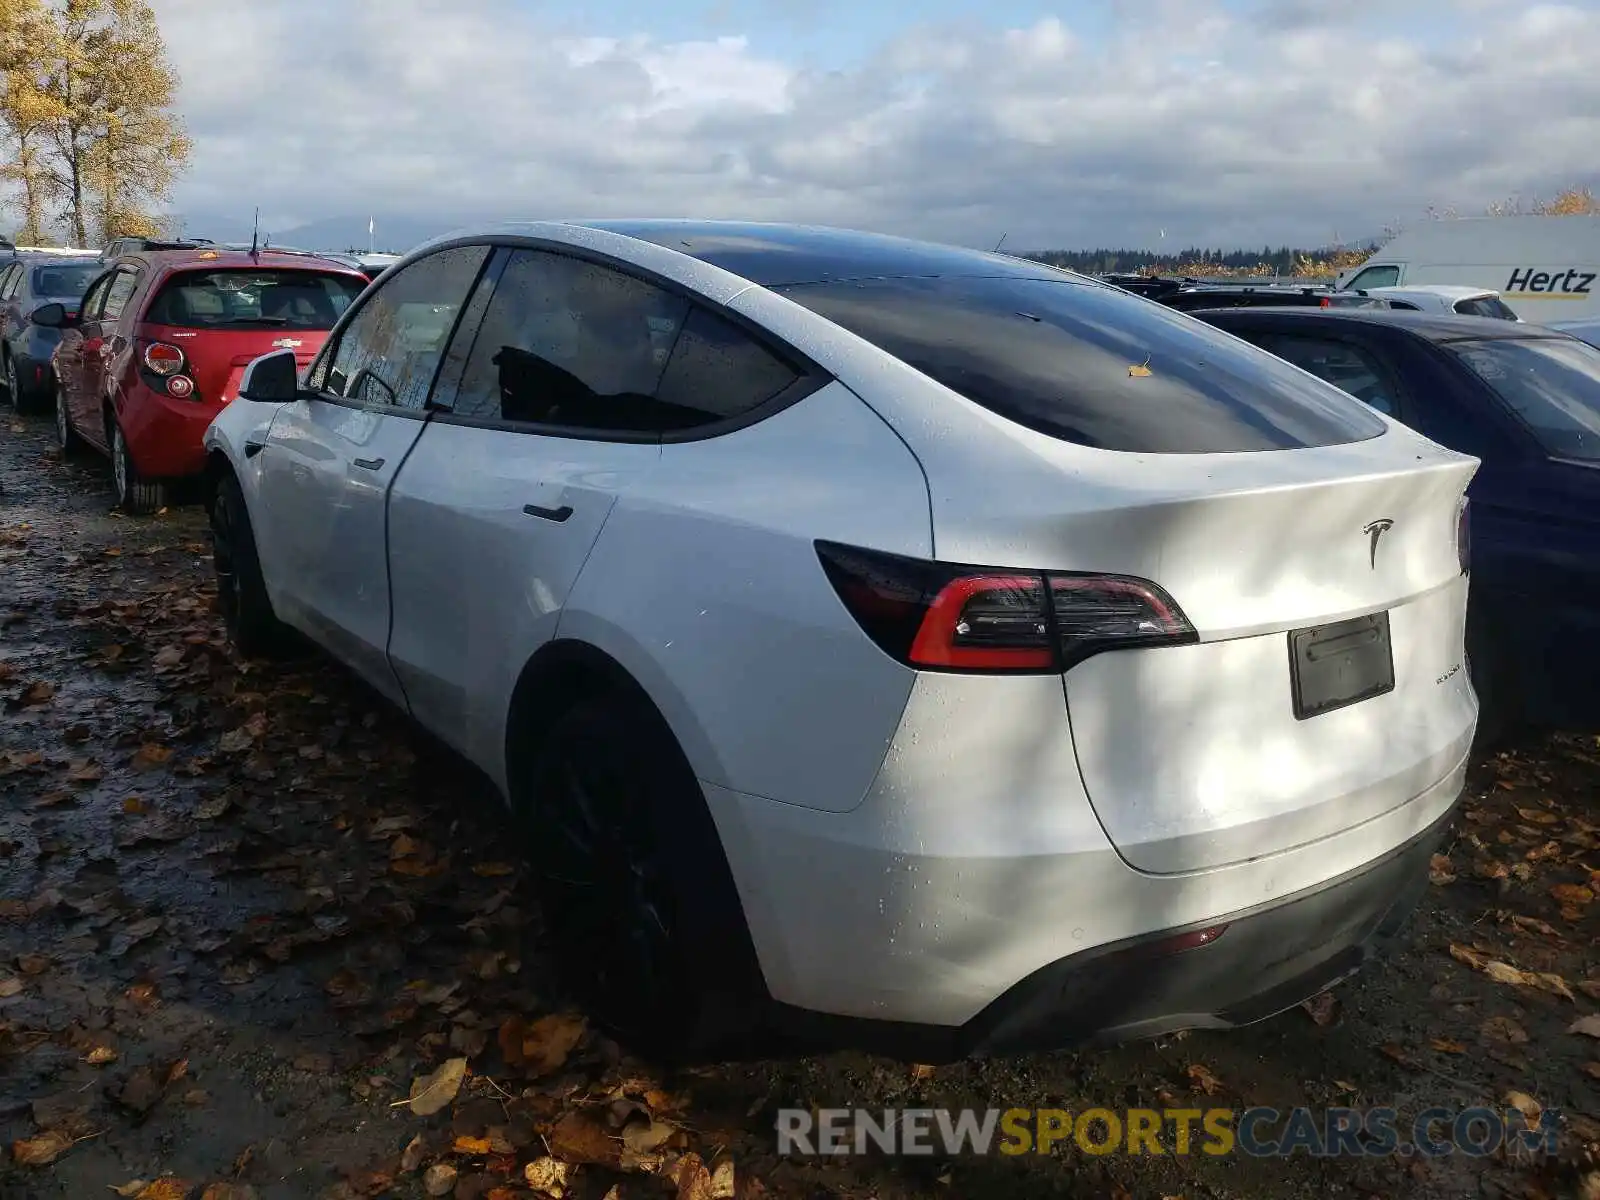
1551	283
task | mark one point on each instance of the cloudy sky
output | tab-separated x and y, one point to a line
1221	122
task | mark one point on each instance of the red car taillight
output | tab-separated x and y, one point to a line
941	617
163	359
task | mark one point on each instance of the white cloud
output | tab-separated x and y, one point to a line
1219	123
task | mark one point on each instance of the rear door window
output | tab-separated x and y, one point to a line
1092	365
122	286
251	299
1349	368
577	346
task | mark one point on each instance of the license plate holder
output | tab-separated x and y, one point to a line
1335	666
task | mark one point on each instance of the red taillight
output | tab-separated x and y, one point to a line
162	359
1326	303
1464	537
940	617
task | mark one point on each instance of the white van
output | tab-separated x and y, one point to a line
1546	268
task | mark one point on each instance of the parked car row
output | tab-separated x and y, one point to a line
820	602
140	353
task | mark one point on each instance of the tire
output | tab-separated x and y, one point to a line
13	384
135	494
635	888
66	436
253	627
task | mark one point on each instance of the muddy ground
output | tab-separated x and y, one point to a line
243	908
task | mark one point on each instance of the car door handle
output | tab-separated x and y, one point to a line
549	514
369	464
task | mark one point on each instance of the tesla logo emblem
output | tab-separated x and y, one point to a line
286	343
1375	531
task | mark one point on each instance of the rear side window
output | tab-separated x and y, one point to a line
1347	367
1552	384
718	371
1486	306
247	299
1093	365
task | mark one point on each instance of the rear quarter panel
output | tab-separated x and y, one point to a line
705	585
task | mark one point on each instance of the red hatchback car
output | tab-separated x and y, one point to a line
160	341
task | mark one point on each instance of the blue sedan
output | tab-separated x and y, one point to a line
25	348
1526	401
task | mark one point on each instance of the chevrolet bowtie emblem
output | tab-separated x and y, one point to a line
286	343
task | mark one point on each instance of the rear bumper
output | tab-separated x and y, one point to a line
165	436
1266	959
975	864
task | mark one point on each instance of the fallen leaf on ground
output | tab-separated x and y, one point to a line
577	1138
430	1093
1201	1077
229	1191
493	869
1526	1105
39	692
33	964
132	1188
692	1178
1573	895
411	1157
1447	1046
1397	1053
542	1047
466	1144
100	1055
1322	1008
1592	1070
1588	1026
42	1150
548	1176
439	1179
150	756
9	987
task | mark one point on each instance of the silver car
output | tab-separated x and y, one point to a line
921	648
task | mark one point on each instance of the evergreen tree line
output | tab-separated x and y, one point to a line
1280	260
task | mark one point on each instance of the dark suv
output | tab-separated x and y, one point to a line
117	247
1187	295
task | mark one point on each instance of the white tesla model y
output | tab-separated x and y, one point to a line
897	644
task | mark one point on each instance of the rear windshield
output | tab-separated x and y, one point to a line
69	280
253	299
1486	306
1093	365
1552	384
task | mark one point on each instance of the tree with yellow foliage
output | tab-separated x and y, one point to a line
87	105
1569	202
